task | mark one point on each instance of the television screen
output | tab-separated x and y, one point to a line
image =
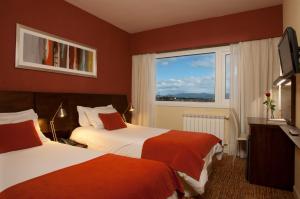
288	52
288	101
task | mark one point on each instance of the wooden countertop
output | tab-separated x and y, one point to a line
264	121
295	139
282	124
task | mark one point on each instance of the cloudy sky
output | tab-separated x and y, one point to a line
186	74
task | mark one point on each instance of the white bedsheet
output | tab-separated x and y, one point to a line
19	166
126	141
22	165
129	142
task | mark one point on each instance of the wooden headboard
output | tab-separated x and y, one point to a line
45	105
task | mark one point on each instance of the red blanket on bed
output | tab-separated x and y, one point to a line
183	151
109	176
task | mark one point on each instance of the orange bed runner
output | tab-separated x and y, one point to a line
108	177
183	151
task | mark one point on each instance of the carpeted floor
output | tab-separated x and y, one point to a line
228	181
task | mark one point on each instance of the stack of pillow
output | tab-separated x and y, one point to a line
106	117
21	130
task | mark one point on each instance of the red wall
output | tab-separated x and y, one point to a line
62	19
114	46
244	26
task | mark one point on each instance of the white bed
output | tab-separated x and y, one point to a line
19	166
22	165
129	142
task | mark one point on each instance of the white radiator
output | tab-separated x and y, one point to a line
205	123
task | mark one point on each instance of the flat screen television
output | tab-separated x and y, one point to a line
289	52
288	100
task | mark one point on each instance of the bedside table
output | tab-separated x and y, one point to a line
60	134
71	142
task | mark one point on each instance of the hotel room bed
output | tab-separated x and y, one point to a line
45	103
129	142
32	164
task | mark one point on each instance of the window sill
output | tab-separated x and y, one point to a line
192	104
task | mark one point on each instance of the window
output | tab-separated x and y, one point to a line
193	78
227	76
186	78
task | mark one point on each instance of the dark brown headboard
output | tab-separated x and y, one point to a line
45	105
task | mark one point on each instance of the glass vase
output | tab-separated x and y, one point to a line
268	112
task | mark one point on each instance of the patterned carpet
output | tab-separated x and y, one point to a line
228	181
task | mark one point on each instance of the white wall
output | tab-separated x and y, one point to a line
291	17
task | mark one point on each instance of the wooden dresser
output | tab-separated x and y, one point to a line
270	155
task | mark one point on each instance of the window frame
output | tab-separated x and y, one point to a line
220	78
225	101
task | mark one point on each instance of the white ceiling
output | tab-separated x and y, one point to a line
140	15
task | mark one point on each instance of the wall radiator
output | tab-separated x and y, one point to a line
205	123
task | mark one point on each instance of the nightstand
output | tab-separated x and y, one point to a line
60	134
71	142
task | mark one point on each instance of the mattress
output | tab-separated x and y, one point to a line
129	142
22	165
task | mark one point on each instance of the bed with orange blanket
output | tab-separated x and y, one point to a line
183	151
188	153
54	170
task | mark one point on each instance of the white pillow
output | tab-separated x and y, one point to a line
83	119
22	116
82	114
93	115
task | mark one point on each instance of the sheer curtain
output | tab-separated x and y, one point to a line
254	67
143	89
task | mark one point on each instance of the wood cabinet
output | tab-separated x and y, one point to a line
270	155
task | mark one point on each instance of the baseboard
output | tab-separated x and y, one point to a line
296	193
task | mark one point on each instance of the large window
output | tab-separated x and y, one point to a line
195	77
186	78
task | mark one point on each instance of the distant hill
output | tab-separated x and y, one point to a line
195	95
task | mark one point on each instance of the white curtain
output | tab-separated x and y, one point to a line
254	67
143	89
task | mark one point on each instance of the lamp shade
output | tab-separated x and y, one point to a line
62	113
131	108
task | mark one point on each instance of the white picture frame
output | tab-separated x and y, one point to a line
37	50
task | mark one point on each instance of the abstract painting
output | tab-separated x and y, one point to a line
41	51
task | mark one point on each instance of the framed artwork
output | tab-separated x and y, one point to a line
37	50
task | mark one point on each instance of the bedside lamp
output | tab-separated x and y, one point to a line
60	112
129	109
